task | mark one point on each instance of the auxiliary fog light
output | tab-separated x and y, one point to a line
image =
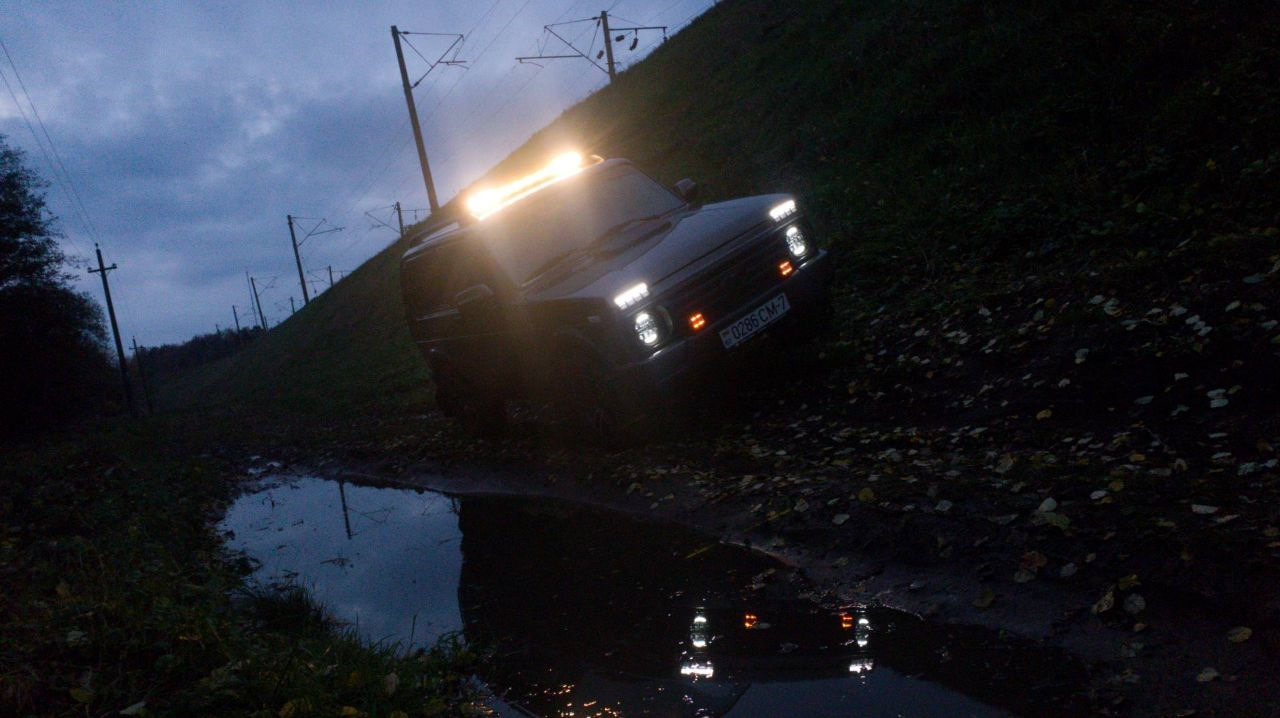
783	210
795	242
631	295
647	330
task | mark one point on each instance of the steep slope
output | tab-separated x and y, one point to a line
948	150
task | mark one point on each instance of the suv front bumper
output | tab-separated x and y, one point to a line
662	374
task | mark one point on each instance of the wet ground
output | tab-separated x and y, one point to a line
586	612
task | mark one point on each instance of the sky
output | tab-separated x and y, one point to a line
179	135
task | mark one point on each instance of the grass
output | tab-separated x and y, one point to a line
119	596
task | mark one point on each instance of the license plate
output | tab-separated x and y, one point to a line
755	320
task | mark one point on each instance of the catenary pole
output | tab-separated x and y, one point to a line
413	120
298	258
262	318
236	315
400	219
608	43
115	328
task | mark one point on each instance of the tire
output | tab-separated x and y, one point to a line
589	407
479	413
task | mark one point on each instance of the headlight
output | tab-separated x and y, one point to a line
648	329
795	242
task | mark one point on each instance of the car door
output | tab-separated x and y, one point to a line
481	303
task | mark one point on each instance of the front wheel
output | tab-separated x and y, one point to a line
590	408
479	413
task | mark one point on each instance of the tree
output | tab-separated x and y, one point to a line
53	361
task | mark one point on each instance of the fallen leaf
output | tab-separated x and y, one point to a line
1239	634
1044	414
984	599
1048	505
1203	509
1207	674
135	709
1105	603
866	495
82	695
839	519
802	506
1127	582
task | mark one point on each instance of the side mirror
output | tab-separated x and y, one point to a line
474	300
687	189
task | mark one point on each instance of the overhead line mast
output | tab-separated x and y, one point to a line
396	34
602	21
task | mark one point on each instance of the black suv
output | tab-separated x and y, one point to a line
591	286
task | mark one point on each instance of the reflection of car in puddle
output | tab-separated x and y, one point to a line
728	649
587	613
593	614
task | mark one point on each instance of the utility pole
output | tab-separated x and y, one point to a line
262	318
608	44
400	219
236	315
292	309
331	276
115	328
298	258
413	120
142	376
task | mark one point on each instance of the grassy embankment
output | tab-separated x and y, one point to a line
119	597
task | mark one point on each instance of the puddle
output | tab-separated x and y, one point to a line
589	613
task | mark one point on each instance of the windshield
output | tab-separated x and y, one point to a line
529	237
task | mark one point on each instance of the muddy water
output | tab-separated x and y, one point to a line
591	613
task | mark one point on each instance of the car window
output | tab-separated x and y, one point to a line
435	277
569	216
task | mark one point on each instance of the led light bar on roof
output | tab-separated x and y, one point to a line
485	202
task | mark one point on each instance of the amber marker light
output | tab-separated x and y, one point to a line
785	268
846	621
750	620
697	321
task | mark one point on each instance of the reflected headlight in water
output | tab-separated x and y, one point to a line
796	243
861	665
698	670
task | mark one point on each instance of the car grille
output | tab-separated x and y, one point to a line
724	287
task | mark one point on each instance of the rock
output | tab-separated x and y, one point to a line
1134	604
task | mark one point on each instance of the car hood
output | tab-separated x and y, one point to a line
692	234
